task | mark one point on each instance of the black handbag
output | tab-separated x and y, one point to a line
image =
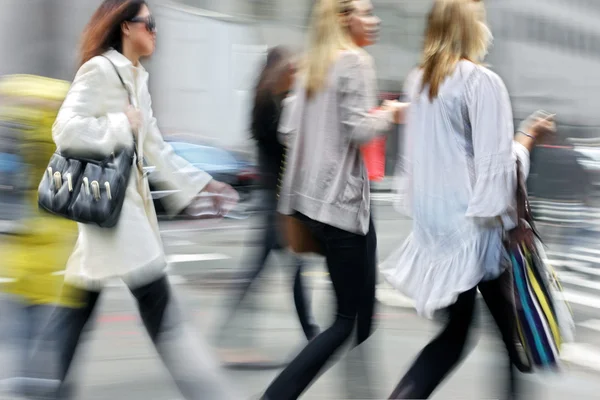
88	190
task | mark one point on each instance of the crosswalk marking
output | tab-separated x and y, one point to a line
565	263
579	267
582	299
575	279
593	324
581	354
587	250
179	243
581	257
183	258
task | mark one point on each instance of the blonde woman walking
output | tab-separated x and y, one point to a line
326	184
459	185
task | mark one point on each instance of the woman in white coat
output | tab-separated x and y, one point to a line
96	117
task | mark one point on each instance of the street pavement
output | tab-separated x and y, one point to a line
117	360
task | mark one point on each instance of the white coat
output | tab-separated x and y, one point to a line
92	117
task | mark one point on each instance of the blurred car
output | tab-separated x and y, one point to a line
11	167
228	166
13	177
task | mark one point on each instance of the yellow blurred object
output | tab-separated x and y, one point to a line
33	258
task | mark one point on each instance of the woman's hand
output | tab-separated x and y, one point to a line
217	199
224	197
135	118
536	126
397	108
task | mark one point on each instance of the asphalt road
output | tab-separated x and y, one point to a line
117	360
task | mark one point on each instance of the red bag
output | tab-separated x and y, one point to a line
373	154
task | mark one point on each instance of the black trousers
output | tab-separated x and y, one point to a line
351	263
447	349
192	366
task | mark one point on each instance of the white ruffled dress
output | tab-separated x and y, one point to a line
457	181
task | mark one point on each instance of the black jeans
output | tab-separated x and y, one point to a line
271	241
192	367
446	350
351	264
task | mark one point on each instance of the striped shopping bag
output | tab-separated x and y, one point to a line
544	318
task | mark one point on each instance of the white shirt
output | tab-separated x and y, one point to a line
457	181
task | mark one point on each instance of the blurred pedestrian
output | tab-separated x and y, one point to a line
273	85
325	184
97	117
458	181
33	257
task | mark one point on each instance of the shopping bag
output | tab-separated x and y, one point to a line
543	317
373	154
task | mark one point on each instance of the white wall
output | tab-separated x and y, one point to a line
203	73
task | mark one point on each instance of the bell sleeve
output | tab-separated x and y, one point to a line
495	152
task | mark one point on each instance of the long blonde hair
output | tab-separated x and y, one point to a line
456	29
328	35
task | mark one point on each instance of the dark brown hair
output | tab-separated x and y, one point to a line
269	77
104	29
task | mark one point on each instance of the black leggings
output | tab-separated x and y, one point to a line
351	263
444	352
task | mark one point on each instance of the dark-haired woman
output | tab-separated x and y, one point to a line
100	115
273	85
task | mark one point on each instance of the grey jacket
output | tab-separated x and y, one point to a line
325	177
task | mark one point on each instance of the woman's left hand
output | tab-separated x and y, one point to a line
224	197
217	199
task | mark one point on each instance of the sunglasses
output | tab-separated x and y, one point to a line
149	21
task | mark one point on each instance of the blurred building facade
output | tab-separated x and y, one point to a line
547	52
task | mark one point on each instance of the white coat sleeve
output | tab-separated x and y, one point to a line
495	152
175	172
82	126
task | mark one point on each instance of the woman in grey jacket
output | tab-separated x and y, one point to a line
325	183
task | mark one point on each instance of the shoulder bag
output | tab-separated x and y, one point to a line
88	190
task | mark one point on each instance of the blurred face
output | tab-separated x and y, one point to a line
364	25
289	74
140	31
284	73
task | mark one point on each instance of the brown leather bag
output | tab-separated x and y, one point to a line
296	235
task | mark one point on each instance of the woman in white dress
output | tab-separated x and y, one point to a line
458	183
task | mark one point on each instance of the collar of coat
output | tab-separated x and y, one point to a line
125	67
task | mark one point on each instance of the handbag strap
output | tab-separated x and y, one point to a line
523	206
129	95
